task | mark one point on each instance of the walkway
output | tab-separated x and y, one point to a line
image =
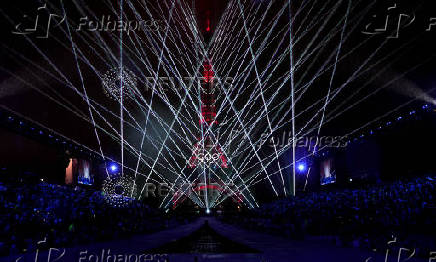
270	248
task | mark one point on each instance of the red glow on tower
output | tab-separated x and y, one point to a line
208	25
208	152
208	110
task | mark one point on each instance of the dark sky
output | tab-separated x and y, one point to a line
32	86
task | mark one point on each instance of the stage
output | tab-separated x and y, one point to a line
259	247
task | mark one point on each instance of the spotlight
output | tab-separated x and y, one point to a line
113	168
301	167
208	211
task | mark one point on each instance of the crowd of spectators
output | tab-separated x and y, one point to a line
366	217
67	216
403	211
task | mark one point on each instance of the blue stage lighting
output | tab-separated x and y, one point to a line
301	167
113	168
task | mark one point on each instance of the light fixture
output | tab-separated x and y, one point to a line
113	167
301	167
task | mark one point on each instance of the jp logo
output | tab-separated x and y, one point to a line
392	23
404	254
42	24
54	254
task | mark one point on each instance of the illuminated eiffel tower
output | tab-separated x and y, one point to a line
207	156
207	151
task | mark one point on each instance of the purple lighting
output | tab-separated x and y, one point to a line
113	168
301	167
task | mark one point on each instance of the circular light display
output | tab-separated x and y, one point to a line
118	191
115	78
